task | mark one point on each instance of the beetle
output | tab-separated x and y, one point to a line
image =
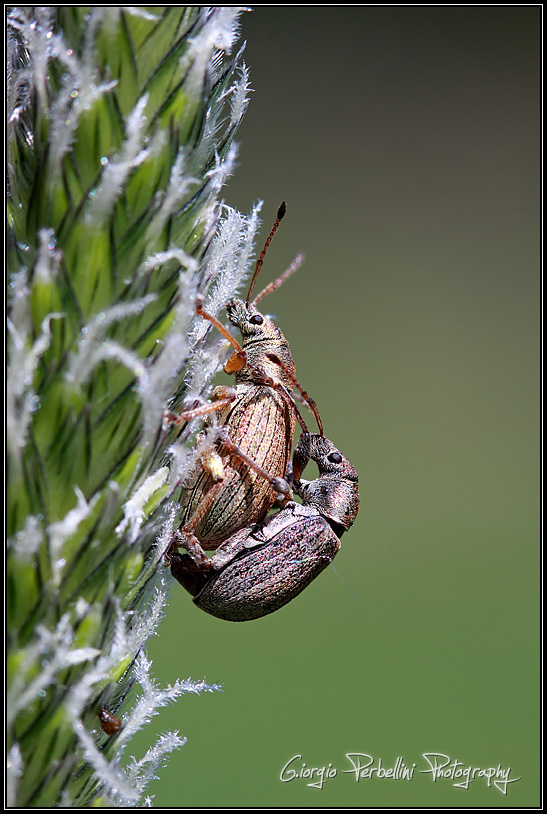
110	723
265	565
241	475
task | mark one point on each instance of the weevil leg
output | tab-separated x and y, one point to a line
312	404
279	484
186	540
192	568
211	461
184	536
239	357
261	377
186	571
217	404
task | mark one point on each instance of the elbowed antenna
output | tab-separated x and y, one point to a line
296	263
280	214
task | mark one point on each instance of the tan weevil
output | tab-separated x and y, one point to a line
243	473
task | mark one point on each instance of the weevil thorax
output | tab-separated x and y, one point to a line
335	493
260	337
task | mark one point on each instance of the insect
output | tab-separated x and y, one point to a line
109	723
262	567
242	474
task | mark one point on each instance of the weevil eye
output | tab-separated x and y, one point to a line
334	458
256	319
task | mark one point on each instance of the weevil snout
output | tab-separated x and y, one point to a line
329	459
250	321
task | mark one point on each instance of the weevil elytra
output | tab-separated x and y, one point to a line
262	567
243	473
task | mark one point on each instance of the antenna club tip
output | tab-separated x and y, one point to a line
281	211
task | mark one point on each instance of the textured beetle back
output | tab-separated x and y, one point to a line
262	579
262	424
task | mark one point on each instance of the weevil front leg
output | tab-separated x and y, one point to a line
238	360
210	459
222	397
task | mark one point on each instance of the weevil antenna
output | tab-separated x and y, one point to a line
280	214
296	263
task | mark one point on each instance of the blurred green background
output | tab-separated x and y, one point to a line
406	142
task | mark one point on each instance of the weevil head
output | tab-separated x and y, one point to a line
335	493
251	322
260	337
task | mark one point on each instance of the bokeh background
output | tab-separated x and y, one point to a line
406	142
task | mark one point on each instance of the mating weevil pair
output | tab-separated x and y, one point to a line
260	564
